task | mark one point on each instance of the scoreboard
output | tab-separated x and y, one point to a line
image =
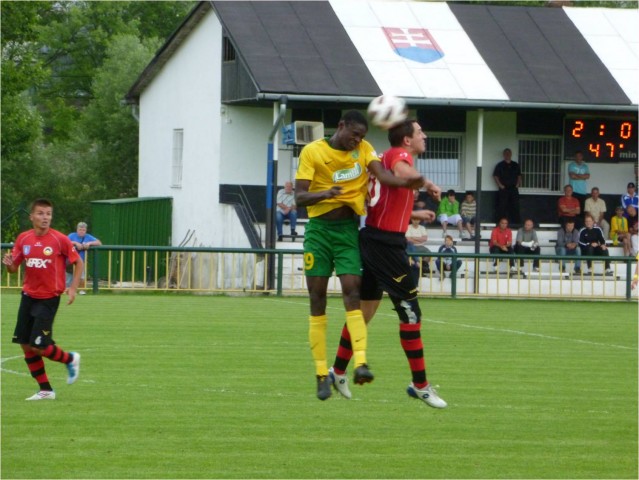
601	139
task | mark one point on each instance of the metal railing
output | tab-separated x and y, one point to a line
225	270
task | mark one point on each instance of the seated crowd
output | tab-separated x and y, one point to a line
581	232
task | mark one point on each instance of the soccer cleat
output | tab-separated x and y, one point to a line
73	368
340	383
427	394
43	395
363	375
323	387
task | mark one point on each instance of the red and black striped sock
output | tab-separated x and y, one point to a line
52	352
411	340
344	352
36	367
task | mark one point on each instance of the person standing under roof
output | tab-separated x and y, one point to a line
507	176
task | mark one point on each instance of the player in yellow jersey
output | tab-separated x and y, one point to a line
331	182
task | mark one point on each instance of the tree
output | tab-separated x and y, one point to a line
110	122
21	123
65	69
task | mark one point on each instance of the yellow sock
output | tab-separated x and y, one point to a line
357	329
317	339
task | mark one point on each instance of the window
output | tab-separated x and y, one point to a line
178	139
442	162
228	51
540	162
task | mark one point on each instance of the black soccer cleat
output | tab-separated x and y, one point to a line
363	375
323	387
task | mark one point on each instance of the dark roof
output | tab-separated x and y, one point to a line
538	55
296	47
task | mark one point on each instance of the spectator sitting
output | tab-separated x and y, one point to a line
631	214
592	243
634	240
527	243
501	241
416	238
82	241
630	198
619	231
468	211
445	264
448	212
419	205
596	207
568	244
286	209
568	207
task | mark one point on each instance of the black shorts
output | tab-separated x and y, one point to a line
385	265
35	321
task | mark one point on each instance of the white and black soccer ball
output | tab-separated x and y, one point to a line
386	111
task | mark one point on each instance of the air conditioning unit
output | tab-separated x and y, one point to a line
302	133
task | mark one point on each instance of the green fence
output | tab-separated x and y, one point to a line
225	270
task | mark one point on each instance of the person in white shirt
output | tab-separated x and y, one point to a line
286	209
416	238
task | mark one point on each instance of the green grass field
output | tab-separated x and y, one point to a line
177	386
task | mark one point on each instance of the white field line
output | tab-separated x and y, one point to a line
492	329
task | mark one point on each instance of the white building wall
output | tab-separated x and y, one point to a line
186	95
244	152
499	133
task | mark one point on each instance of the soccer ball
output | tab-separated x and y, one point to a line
386	111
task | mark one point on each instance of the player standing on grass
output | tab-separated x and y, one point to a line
45	252
385	260
331	182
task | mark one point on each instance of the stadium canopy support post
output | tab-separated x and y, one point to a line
279	110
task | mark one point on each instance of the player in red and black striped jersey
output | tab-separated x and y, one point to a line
386	265
45	253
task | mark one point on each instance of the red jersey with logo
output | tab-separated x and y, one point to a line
45	259
390	208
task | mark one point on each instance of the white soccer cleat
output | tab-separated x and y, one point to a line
73	368
340	383
427	394
43	395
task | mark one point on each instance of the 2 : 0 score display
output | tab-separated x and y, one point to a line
601	139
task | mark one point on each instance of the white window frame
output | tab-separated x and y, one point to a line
177	156
548	169
443	179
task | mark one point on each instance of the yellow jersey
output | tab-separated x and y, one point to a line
326	167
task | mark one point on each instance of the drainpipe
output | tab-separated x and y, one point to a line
279	110
480	150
